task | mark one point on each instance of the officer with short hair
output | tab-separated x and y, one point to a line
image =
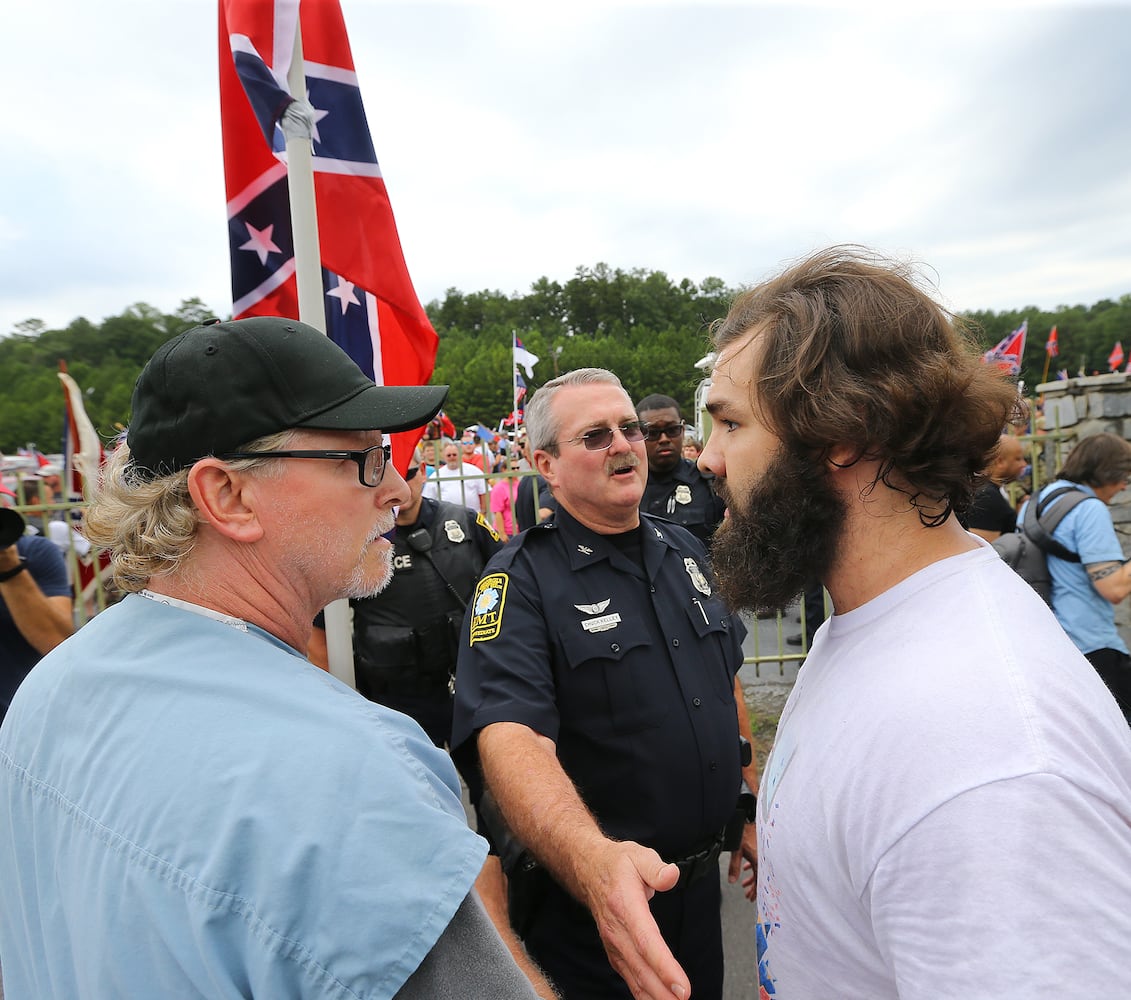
676	489
597	679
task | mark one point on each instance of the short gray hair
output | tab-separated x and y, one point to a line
149	524
541	426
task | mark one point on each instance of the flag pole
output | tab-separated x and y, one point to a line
514	386
298	128
300	184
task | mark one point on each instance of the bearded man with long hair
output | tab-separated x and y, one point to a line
950	778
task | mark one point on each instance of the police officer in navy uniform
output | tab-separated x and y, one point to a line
597	672
405	638
676	489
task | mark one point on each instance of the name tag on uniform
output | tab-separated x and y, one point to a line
602	624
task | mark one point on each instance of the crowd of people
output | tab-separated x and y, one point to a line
194	808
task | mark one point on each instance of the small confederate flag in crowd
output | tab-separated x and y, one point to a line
1115	359
1008	353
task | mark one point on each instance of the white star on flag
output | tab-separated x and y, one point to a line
344	294
319	114
261	242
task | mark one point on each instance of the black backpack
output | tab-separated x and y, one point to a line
1025	551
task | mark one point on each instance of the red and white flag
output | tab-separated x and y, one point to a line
1008	353
372	310
82	448
1115	359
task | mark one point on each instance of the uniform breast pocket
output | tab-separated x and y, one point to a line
710	620
609	682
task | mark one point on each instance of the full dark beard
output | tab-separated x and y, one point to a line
779	539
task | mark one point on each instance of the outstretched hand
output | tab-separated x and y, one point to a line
622	880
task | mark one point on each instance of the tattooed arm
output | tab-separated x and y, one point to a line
1112	580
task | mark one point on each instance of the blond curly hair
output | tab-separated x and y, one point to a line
150	524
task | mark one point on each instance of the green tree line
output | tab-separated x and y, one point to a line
641	324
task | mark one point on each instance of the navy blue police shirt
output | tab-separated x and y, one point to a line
628	668
685	496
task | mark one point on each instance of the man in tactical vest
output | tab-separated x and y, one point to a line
405	638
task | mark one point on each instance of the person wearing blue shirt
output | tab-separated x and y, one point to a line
35	605
192	809
1084	594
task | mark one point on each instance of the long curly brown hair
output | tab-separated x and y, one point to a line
852	353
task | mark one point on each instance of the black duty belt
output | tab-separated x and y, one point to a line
699	863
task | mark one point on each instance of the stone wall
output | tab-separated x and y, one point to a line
1077	408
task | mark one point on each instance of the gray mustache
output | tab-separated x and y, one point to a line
622	462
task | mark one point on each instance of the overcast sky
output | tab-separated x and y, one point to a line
992	143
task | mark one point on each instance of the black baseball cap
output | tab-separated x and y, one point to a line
217	387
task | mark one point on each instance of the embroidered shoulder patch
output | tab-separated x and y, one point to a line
480	519
487	607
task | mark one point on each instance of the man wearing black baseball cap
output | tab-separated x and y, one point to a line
193	809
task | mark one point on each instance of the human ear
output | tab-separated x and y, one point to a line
227	500
544	464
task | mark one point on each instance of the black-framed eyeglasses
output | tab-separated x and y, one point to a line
601	438
410	475
671	431
371	463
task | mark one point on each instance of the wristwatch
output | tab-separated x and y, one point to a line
14	571
747	802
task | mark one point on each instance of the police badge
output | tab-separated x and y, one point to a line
454	531
698	580
683	493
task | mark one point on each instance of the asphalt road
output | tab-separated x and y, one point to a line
740	981
768	684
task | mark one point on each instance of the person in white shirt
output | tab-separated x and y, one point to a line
457	481
946	811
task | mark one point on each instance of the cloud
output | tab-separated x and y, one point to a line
519	141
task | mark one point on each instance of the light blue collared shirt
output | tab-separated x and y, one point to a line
193	811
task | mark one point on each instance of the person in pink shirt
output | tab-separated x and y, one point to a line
503	495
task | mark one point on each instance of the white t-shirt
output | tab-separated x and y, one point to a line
947	810
66	538
444	484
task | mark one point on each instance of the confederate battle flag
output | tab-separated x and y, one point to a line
371	307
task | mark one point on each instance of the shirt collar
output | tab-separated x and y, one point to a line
585	547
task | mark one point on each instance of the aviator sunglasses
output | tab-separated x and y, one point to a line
601	438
